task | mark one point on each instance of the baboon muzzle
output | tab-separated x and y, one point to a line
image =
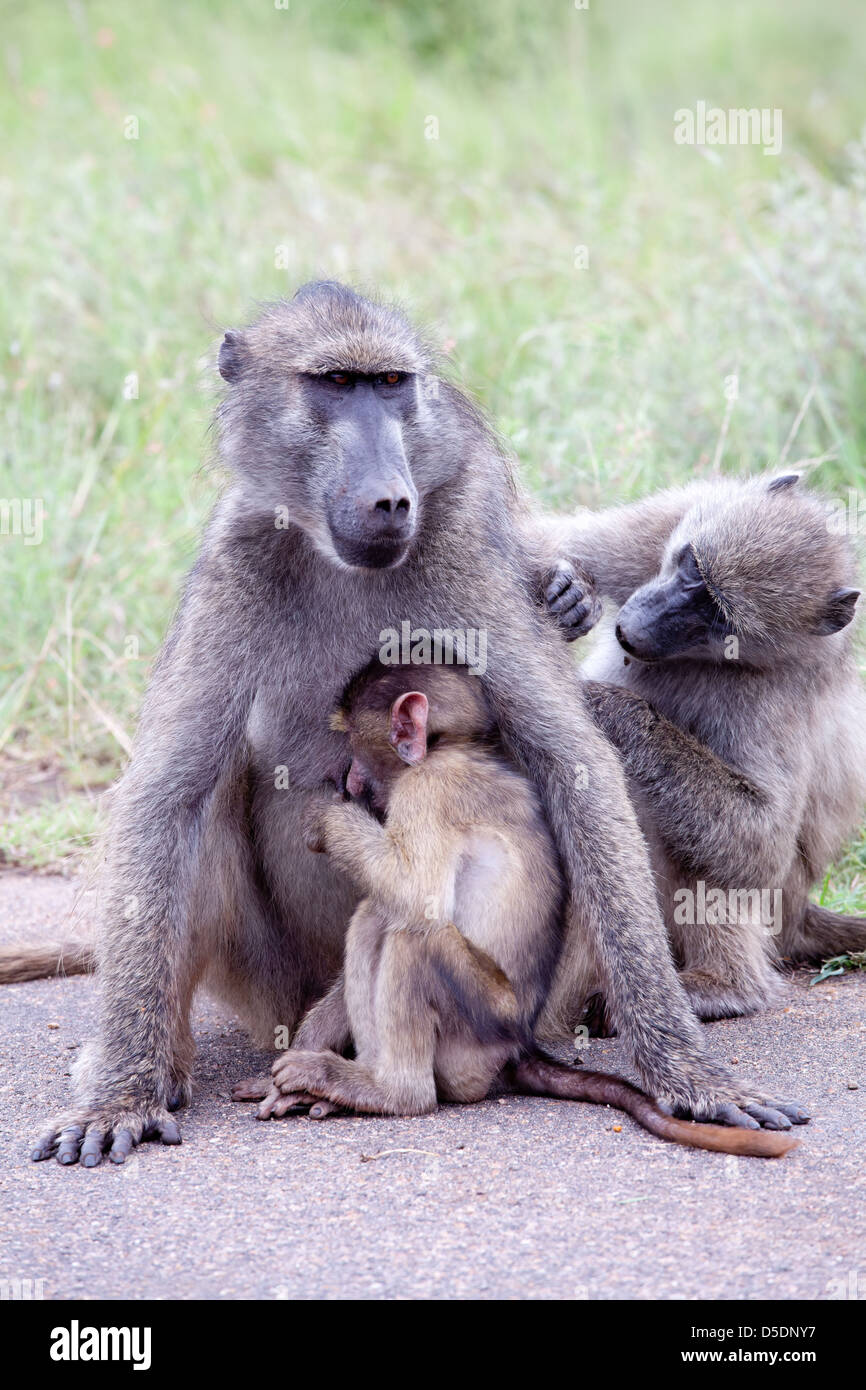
373	515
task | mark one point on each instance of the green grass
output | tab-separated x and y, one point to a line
305	130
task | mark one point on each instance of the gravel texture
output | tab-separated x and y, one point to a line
520	1198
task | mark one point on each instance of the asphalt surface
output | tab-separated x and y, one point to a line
514	1199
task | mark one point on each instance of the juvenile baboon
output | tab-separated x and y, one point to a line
367	492
728	684
451	952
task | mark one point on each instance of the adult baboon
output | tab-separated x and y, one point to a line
728	684
367	493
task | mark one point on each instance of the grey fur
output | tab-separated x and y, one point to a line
747	773
209	880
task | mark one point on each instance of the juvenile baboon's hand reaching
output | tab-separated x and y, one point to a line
570	595
316	837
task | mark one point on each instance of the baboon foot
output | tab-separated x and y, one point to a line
251	1088
113	1129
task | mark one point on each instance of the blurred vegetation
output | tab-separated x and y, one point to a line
278	144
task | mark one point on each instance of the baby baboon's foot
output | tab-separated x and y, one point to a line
712	997
89	1132
252	1088
277	1104
570	595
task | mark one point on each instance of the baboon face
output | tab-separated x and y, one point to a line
766	568
327	418
393	714
672	615
383	744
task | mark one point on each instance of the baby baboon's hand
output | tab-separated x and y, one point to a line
88	1133
570	595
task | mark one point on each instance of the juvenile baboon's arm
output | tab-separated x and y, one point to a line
621	548
400	866
715	820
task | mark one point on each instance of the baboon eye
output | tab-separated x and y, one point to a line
340	378
391	378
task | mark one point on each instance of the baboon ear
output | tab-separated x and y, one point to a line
784	480
838	611
233	356
409	727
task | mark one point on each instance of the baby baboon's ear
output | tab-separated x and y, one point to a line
785	480
233	356
838	611
409	727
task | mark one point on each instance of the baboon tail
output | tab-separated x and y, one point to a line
824	934
27	960
539	1076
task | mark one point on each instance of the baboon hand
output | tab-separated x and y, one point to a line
301	1082
89	1132
570	595
620	713
316	837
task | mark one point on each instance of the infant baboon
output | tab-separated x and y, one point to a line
728	684
451	952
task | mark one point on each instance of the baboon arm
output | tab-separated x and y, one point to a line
325	1027
620	547
715	820
612	899
182	778
401	867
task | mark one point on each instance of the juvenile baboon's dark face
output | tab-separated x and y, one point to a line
765	568
672	615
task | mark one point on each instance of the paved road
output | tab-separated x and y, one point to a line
516	1199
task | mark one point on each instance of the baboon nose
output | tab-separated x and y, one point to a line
394	504
389	506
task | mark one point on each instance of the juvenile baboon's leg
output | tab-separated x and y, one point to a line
396	1077
714	825
822	934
